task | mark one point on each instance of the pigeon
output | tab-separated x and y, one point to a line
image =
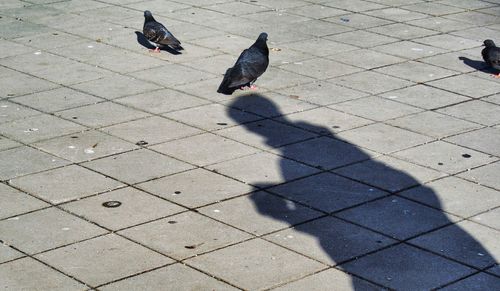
491	55
251	64
158	35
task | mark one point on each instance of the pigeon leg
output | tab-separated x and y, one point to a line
253	87
156	50
497	76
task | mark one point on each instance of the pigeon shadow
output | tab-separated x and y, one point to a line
478	65
376	231
142	40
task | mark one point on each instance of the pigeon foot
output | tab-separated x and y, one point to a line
156	50
497	76
253	87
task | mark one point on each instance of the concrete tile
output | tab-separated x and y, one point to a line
486	140
386	109
477	282
57	99
264	263
101	114
15	202
137	166
276	18
324	120
396	14
38	127
379	83
323	153
161	101
475	111
330	240
358	20
29	274
450	42
46	229
185	188
13	29
26	160
17	84
320	92
65	184
320	28
176	276
11	49
402	31
440	24
356	5
424	96
493	99
475	18
103	259
185	235
190	53
259	213
435	9
457	61
85	146
50	40
115	86
489	218
362	38
136	207
319	47
77	6
477	33
153	130
330	277
211	116
466	4
275	79
54	68
266	134
216	64
177	75
320	68
445	157
316	11
467	85
156	6
207	90
11	111
416	71
494	270
258	104
486	175
455	196
473	244
409	50
382	138
263	169
397	217
404	267
389	173
370	60
215	149
6	143
109	13
433	124
7	254
327	192
237	9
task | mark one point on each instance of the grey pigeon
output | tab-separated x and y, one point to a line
157	34
251	64
491	55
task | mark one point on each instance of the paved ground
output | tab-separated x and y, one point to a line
368	158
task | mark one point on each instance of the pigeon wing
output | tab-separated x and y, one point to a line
249	66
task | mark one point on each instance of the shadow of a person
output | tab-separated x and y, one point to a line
369	233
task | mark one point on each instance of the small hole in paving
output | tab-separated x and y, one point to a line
440	164
111	204
172	222
177	192
466	156
221	123
141	143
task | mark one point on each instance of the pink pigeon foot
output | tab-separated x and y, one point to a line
253	87
156	50
497	76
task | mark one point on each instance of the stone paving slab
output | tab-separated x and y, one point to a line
367	159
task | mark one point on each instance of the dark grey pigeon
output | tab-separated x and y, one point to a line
491	55
251	64
158	35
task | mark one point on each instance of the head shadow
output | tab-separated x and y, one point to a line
358	226
142	40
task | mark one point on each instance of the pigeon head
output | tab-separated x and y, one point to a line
261	44
489	43
263	36
148	15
